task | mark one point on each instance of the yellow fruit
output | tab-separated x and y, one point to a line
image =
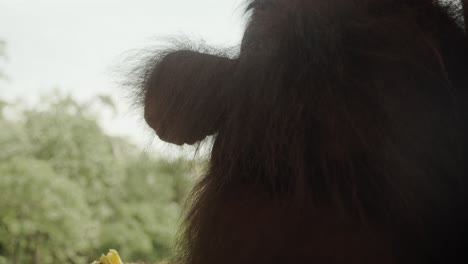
111	258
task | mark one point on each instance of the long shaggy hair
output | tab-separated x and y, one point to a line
340	134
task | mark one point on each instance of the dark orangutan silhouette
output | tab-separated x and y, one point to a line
340	134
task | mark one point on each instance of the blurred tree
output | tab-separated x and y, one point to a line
41	212
155	216
69	137
68	191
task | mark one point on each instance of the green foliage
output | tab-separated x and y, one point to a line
40	212
69	192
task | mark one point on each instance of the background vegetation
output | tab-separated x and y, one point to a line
69	192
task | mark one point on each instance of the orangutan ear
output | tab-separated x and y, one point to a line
185	96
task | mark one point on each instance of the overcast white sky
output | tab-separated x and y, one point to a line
74	45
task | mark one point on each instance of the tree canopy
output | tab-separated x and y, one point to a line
69	192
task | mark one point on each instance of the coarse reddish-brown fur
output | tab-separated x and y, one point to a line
340	134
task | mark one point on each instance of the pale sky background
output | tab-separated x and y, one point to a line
75	45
